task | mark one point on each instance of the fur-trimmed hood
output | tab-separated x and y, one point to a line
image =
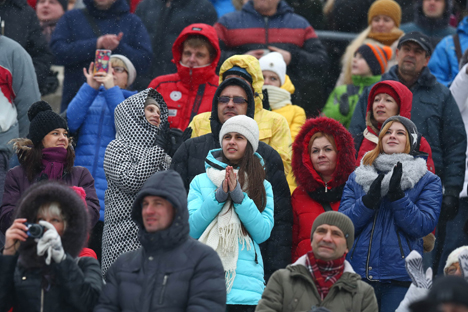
73	209
302	166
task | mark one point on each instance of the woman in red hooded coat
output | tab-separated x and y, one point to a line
323	158
386	99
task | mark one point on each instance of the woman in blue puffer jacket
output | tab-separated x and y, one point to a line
231	210
90	118
393	201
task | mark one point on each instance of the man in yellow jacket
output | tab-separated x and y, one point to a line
274	128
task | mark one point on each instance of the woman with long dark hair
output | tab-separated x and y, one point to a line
231	210
46	154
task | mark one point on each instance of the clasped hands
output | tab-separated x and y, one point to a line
372	198
230	186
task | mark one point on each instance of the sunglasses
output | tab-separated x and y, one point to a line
235	99
119	69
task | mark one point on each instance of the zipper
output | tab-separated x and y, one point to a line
42	299
354	249
326	189
98	144
399	244
370	246
266	30
161	297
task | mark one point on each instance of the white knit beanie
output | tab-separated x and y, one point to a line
453	257
274	62
128	66
243	125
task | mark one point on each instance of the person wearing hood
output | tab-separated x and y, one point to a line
240	214
189	161
393	201
171	271
431	17
42	271
140	149
190	91
274	129
45	154
103	24
90	117
323	159
278	88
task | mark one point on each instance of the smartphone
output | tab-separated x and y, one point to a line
101	62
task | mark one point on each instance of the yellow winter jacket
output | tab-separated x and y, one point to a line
274	129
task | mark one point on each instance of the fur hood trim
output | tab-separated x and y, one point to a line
413	170
303	169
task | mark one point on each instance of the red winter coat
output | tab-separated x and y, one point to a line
306	199
406	98
190	91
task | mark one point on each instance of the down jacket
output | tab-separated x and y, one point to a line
293	289
204	208
385	236
312	193
172	271
189	161
74	42
129	161
189	91
274	128
438	119
91	116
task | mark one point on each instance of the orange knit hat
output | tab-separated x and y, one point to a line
376	57
385	7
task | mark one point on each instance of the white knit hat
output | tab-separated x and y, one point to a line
274	62
243	125
453	257
128	66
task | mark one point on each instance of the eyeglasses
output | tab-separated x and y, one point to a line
235	99
119	69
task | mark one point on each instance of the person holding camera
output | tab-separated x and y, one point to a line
45	154
39	267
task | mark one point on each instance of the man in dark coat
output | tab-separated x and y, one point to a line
165	20
435	114
20	23
172	271
189	161
103	24
273	26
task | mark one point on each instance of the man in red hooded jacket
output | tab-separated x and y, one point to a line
190	91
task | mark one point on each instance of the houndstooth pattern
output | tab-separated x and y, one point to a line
129	161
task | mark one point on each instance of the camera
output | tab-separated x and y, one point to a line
35	230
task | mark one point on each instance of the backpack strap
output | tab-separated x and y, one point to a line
458	50
92	22
326	206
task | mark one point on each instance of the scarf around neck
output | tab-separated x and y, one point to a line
224	233
53	162
324	273
386	38
277	97
413	170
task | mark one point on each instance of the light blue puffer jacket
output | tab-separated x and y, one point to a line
203	208
91	114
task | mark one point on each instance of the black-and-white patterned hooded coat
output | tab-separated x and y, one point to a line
129	161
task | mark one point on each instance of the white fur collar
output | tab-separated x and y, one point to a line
413	170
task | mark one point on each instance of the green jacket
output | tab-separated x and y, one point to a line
342	101
293	289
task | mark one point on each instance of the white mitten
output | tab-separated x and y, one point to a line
463	263
51	243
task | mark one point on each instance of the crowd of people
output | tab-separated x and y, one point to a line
201	167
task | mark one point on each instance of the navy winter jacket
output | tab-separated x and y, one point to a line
74	42
91	116
385	236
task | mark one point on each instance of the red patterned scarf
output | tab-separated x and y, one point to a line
324	273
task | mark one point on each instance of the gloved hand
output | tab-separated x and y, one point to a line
175	140
51	243
449	208
394	190
372	199
163	139
187	134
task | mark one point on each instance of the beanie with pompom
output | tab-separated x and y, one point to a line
43	120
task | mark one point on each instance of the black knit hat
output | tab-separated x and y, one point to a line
410	128
64	4
376	57
43	120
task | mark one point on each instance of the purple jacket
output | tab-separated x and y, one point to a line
16	182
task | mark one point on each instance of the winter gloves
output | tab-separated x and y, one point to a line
449	208
394	190
372	199
51	243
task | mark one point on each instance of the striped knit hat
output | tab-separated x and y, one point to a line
376	57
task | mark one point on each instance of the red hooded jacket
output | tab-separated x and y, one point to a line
406	103
308	197
190	91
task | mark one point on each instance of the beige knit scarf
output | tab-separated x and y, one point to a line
224	233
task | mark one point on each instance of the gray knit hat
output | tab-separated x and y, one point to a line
339	220
132	73
410	128
243	125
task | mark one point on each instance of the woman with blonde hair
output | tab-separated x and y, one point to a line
393	201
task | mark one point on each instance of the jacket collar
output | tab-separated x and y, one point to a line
432	23
118	8
283	8
365	81
426	78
